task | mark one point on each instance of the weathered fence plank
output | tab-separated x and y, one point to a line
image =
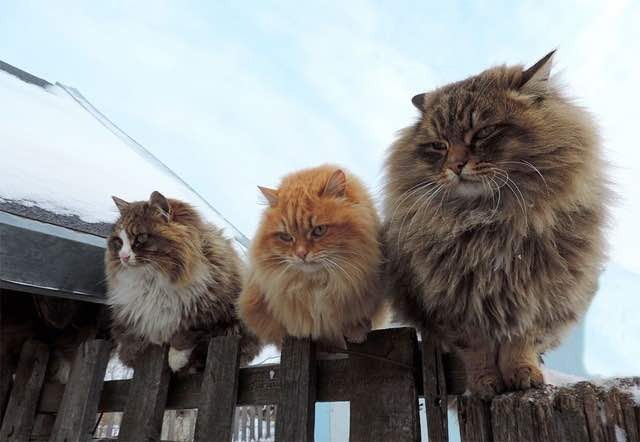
384	398
474	417
504	422
77	414
6	379
569	416
219	390
593	411
21	409
435	391
143	412
296	407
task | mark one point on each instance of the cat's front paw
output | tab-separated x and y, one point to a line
178	359
486	384
357	337
523	377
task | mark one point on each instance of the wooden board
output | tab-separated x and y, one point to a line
297	398
21	410
144	409
219	390
384	398
77	415
435	391
57	267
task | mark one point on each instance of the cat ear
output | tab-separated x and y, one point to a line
337	184
158	200
418	101
270	194
535	80
120	203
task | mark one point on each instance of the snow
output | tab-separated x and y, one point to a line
62	155
621	435
558	378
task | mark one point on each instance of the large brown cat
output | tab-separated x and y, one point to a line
172	279
495	207
315	261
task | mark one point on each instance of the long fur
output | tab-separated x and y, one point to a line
180	286
339	293
513	256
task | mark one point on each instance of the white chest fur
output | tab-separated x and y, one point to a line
151	305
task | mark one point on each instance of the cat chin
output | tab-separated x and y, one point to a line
470	189
309	267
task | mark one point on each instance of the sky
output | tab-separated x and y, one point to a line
231	95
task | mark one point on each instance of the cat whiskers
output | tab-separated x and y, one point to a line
408	193
534	168
333	264
518	196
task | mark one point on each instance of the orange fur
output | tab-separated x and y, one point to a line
335	290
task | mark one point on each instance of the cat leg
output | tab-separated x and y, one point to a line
357	333
129	347
480	361
181	345
518	361
254	312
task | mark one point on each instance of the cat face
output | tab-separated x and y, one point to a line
487	135
147	234
313	224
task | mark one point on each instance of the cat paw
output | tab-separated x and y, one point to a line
486	385
523	377
357	337
178	359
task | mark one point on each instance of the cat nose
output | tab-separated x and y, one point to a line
125	258
302	253
457	166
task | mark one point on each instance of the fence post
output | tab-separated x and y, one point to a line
143	412
435	391
296	407
21	409
384	395
219	390
77	414
474	417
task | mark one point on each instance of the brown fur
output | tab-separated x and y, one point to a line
187	266
501	262
336	293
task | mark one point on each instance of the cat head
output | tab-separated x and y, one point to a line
505	138
318	220
159	234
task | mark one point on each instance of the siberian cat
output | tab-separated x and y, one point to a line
315	261
495	207
172	278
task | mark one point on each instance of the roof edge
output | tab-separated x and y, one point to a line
23	75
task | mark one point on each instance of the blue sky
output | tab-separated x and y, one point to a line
235	94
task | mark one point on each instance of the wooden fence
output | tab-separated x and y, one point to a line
382	379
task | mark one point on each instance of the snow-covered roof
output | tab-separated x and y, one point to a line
62	160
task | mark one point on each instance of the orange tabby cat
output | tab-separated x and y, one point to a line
315	261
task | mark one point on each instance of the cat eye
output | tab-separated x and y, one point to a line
319	230
284	236
116	242
141	238
485	132
434	145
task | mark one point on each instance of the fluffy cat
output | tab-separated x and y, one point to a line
172	278
315	261
495	207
